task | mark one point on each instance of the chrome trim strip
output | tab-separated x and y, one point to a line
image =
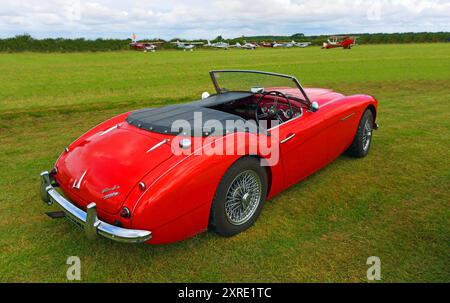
109	130
348	117
288	138
89	220
158	145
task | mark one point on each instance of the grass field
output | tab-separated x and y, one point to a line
393	204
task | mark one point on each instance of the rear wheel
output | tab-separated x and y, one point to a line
239	199
363	138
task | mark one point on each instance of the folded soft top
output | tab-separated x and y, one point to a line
163	120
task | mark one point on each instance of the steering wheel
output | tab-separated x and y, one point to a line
277	111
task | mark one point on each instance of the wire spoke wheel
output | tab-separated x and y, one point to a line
243	197
367	135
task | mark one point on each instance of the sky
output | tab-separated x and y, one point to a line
194	19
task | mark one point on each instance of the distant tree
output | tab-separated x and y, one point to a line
218	38
298	36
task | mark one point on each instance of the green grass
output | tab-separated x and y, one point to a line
393	204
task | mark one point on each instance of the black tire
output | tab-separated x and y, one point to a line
360	148
219	220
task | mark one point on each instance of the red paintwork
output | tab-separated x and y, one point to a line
266	44
144	46
179	189
344	42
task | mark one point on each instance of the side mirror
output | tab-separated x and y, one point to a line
205	95
314	107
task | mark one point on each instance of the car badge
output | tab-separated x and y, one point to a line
115	187
111	195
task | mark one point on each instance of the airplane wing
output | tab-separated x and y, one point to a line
187	43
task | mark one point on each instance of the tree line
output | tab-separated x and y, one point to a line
25	42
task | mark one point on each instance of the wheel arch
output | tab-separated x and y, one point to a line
268	170
372	108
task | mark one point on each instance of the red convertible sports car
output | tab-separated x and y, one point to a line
165	174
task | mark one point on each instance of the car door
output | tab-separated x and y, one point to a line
303	147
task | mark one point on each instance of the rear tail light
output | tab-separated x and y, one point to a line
125	213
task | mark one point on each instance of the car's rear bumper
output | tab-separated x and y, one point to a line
88	221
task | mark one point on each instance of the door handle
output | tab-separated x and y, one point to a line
288	138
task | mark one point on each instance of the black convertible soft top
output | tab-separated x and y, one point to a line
163	120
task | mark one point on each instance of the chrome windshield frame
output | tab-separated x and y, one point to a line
294	79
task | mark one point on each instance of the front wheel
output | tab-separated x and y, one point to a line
239	199
363	138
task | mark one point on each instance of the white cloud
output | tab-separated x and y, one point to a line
196	18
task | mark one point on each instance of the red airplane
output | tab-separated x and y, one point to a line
266	44
144	46
346	42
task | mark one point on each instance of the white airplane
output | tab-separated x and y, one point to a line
220	45
301	44
276	44
187	46
246	45
291	44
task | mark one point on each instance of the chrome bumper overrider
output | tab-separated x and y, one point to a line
88	220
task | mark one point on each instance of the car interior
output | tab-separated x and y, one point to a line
271	108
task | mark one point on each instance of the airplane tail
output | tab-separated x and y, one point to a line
209	43
238	44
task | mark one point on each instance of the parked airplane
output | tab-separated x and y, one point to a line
289	44
346	42
286	44
246	45
220	45
266	44
187	46
276	44
301	44
144	46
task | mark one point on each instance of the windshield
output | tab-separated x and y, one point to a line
252	81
